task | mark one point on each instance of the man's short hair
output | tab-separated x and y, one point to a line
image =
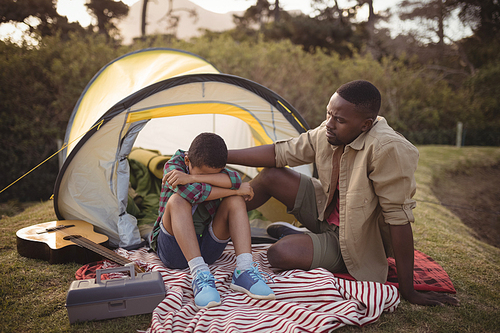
363	94
208	149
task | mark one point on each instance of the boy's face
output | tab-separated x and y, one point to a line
203	170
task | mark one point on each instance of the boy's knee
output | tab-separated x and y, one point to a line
177	201
234	202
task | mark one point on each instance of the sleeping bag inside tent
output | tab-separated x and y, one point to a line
135	113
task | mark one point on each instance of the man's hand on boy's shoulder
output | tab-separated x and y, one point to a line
176	178
246	191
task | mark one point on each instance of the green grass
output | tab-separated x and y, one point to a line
33	292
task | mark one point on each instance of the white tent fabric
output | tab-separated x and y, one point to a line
165	116
234	131
124	76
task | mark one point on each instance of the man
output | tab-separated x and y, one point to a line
359	209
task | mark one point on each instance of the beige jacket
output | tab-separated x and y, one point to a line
376	183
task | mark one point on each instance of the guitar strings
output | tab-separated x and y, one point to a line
104	251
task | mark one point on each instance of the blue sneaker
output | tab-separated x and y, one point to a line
252	283
205	293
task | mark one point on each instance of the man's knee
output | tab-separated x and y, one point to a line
293	251
269	175
274	255
280	183
278	256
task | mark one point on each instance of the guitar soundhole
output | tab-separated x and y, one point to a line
71	237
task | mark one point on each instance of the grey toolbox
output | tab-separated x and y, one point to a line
96	299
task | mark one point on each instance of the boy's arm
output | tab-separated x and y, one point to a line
193	192
187	184
178	177
245	191
225	179
198	188
214	186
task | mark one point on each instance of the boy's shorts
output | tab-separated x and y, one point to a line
171	255
325	237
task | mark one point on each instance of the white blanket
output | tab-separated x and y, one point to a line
306	301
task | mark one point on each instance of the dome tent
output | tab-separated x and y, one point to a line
157	99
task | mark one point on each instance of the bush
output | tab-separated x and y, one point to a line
40	86
413	97
38	90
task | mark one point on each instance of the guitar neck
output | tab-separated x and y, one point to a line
104	251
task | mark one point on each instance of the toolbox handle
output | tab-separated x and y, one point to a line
128	267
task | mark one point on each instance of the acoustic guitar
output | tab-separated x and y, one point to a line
66	241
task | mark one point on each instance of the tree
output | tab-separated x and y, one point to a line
19	11
432	13
482	51
330	29
327	34
258	14
171	18
372	33
277	11
325	9
106	12
364	32
143	18
483	47
38	89
39	15
483	16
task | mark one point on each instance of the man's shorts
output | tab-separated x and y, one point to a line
325	237
172	257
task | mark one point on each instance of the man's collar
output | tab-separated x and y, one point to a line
359	142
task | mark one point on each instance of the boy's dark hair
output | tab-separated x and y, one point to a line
363	94
208	149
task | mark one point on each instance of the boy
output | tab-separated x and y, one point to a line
202	207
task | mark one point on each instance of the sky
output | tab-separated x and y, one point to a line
75	10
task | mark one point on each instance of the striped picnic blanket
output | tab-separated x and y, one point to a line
306	301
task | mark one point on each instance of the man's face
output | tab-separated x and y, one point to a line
343	122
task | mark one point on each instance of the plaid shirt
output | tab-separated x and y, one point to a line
195	193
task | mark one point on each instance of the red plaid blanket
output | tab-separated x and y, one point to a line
428	275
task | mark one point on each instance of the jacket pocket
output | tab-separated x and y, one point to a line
360	205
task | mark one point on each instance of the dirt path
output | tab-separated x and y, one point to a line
474	196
